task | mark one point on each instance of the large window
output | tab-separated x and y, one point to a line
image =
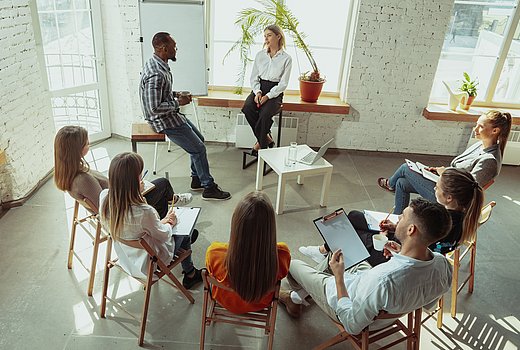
484	40
325	27
73	57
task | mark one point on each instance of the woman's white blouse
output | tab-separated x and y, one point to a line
275	69
144	222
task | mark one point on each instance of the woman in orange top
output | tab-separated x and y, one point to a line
252	263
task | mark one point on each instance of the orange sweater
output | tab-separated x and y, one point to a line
216	265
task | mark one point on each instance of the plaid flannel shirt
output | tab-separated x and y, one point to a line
160	108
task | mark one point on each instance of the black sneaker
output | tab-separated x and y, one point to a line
194	235
214	193
195	184
189	282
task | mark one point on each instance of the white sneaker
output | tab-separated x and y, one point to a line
313	252
181	199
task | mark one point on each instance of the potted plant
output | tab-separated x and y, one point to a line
470	87
252	22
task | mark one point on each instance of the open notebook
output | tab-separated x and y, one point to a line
420	168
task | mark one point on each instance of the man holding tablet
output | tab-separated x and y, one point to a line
414	276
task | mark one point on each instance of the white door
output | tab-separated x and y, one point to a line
73	49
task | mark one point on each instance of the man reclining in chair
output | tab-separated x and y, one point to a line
414	276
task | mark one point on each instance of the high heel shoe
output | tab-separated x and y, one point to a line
271	145
270	137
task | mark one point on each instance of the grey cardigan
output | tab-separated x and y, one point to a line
483	163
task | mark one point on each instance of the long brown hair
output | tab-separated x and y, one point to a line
252	259
68	158
501	120
469	196
124	184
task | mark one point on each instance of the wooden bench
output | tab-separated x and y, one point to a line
142	132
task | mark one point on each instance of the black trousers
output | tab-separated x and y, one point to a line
160	196
260	119
357	218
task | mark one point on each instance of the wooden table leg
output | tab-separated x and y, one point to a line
280	195
259	173
134	146
325	188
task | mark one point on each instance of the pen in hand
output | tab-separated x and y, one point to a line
144	174
389	213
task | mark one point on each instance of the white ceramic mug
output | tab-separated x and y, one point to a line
379	241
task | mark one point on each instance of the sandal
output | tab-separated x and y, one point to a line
383	183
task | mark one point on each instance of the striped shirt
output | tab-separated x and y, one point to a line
160	108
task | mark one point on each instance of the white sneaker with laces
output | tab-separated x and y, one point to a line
181	199
313	252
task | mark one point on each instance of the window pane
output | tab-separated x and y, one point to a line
472	44
508	87
325	41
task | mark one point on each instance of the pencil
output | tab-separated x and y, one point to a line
391	211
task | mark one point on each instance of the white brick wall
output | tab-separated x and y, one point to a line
26	125
396	50
123	61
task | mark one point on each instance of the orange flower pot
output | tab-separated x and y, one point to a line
465	105
310	90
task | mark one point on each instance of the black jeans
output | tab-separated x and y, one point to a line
260	119
160	196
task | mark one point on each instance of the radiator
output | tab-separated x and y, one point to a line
246	139
512	151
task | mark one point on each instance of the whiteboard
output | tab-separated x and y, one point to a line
184	20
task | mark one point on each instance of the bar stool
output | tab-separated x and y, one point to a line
245	154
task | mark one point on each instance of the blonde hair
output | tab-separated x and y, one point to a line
252	259
68	155
469	196
124	184
277	31
501	120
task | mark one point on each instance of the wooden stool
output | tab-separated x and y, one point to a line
245	154
142	132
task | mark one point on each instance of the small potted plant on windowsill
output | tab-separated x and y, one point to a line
252	22
470	87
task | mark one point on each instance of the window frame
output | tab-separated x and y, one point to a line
509	33
345	55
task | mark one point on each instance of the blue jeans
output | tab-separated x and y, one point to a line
406	181
184	242
191	140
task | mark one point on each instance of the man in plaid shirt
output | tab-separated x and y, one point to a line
160	106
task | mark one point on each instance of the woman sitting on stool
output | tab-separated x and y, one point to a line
269	79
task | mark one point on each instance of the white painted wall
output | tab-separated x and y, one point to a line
26	125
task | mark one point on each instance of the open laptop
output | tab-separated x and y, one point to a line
312	156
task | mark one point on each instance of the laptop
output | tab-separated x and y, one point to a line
312	156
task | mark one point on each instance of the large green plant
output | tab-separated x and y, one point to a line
252	22
468	85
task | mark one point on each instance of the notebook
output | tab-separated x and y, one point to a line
337	230
375	217
186	220
312	156
420	168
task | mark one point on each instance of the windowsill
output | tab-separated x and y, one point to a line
291	102
441	112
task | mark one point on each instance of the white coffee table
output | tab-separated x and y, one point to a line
275	158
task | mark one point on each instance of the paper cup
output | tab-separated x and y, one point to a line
379	241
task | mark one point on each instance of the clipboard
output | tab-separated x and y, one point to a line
337	230
186	220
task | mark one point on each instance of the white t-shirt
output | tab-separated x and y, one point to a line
400	285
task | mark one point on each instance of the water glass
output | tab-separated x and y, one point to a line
293	152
